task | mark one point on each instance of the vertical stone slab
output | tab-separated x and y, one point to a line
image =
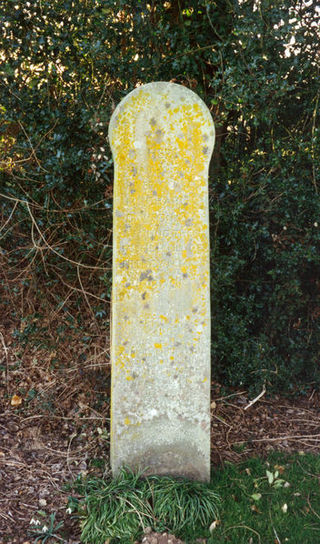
162	138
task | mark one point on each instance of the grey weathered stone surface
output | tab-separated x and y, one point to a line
162	138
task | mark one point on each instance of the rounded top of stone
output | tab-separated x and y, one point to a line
160	95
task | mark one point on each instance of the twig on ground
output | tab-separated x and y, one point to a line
252	402
312	509
222	421
306	471
276	535
6	516
287	437
232	395
243	527
7	361
51	416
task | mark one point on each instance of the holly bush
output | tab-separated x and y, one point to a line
64	67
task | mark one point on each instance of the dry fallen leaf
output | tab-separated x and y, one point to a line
255	509
214	525
16	400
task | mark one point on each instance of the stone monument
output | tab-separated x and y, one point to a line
162	137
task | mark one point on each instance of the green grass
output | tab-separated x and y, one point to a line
253	506
273	501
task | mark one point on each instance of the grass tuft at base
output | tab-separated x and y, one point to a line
119	510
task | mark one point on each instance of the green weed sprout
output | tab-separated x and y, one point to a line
42	532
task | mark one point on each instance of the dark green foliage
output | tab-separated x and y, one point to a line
65	65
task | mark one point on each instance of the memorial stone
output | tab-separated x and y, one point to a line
162	137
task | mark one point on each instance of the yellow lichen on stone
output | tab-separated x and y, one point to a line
162	138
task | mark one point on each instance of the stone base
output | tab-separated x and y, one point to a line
176	449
